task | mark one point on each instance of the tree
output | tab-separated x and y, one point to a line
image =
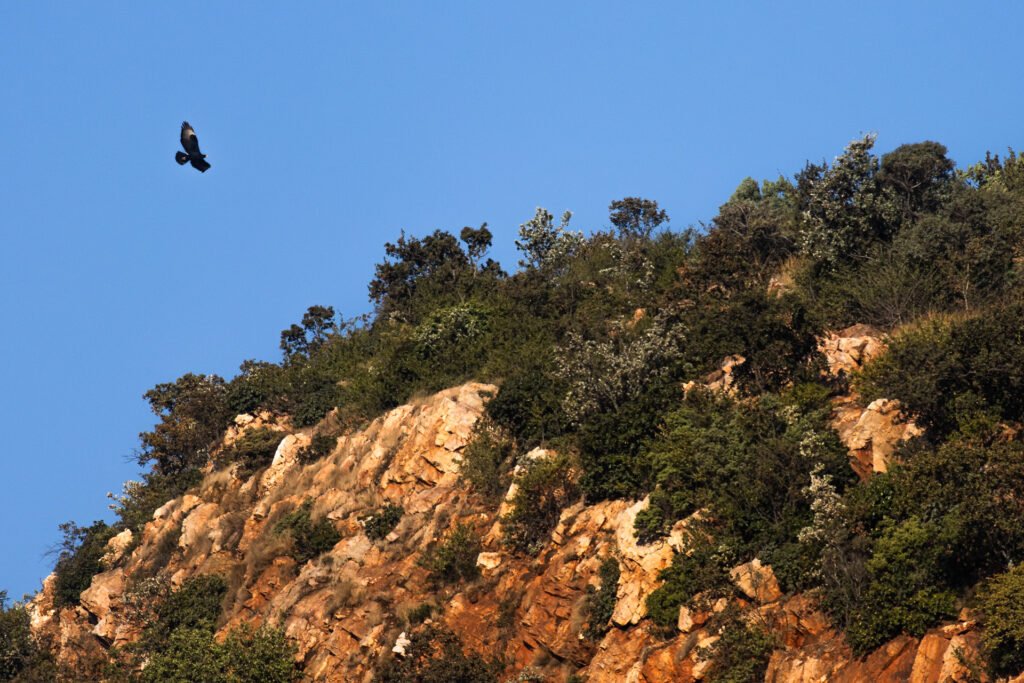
918	175
318	324
545	245
636	217
193	413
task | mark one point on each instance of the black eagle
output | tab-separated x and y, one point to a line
192	154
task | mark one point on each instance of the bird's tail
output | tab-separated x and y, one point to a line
181	158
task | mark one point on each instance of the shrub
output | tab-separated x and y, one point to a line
140	499
941	367
454	559
253	450
545	487
740	654
601	603
529	405
309	539
18	649
79	560
419	614
193	413
703	569
320	446
435	655
487	459
1001	600
195	606
262	655
381	523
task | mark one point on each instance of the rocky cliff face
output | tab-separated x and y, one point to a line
346	609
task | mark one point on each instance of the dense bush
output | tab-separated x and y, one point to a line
545	487
1002	606
18	648
454	558
195	606
741	653
383	521
79	560
946	370
309	539
247	655
435	655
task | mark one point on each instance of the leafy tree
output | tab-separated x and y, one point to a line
195	606
318	324
636	217
193	414
546	246
600	604
919	175
1002	606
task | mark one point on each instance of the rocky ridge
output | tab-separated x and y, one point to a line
345	609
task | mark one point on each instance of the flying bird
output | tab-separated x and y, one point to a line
191	154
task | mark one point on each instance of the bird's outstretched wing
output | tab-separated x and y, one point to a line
200	164
189	141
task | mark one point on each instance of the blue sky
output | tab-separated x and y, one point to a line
332	126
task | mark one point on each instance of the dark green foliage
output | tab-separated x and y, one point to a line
529	405
195	606
420	613
545	487
254	450
747	463
18	649
193	413
740	654
454	558
309	539
636	217
320	446
905	589
919	175
381	523
262	655
946	370
487	459
1001	601
318	324
435	655
601	603
257	385
79	560
702	570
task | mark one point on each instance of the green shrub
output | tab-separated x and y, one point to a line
18	648
906	592
1001	600
454	559
320	446
741	653
601	603
702	569
435	655
140	499
195	606
262	655
381	523
309	539
486	460
529	405
545	487
944	371
79	560
253	450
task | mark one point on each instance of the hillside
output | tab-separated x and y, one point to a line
785	448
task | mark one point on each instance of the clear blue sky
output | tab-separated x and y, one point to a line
331	126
